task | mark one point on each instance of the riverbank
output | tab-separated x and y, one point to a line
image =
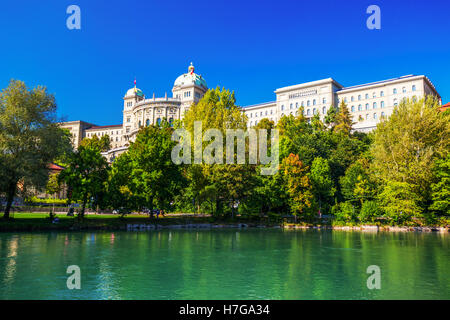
41	222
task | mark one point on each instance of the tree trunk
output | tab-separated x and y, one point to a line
84	206
10	198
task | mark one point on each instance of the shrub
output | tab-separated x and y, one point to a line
344	211
369	211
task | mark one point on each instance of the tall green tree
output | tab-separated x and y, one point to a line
86	174
322	183
29	139
440	188
155	178
406	147
344	121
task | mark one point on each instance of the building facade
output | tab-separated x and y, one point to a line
367	103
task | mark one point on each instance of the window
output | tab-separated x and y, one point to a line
251	123
404	90
158	121
374	105
296	105
359	107
414	88
324	100
171	122
290	107
359	97
128	119
314	102
367	106
324	110
395	102
345	100
382	94
261	113
375	116
367	96
353	108
147	122
374	95
394	91
382	115
367	116
303	104
251	115
352	99
314	111
266	112
139	123
307	112
282	107
382	104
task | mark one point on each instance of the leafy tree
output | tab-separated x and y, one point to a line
29	139
155	179
330	117
400	201
322	184
102	144
298	185
441	187
344	122
344	211
86	174
405	148
53	186
357	185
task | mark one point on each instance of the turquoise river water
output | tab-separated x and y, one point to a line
225	264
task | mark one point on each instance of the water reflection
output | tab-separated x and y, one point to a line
225	264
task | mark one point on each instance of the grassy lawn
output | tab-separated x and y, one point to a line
40	221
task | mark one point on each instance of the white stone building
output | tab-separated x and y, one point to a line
367	103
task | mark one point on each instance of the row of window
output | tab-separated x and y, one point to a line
158	122
374	95
308	103
374	116
261	113
101	134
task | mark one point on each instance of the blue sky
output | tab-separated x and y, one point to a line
251	47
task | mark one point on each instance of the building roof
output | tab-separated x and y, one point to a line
53	166
445	107
190	78
263	104
105	127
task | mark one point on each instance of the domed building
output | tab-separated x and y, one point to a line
140	111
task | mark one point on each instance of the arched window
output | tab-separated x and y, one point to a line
296	105
308	103
282	107
147	122
359	107
367	96
158	121
374	95
314	102
382	104
395	102
382	115
414	87
375	116
314	111
404	90
307	112
353	108
290	107
359	97
324	110
367	106
352	99
382	94
324	100
395	91
374	105
139	123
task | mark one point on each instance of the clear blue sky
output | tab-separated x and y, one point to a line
251	47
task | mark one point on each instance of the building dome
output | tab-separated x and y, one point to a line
134	91
190	78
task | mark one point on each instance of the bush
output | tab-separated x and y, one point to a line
344	212
369	211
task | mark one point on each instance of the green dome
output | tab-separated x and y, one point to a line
190	78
